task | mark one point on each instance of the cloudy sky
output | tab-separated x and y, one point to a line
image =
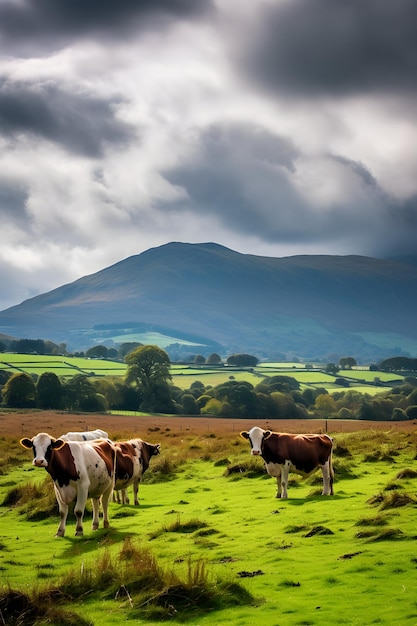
273	127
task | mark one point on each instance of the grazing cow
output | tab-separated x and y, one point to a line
302	454
88	435
80	470
132	461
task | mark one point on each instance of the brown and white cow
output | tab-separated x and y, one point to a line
88	435
284	453
80	470
132	461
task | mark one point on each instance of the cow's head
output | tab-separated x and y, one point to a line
42	445
256	437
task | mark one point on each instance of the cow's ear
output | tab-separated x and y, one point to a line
58	444
26	443
158	448
267	434
244	434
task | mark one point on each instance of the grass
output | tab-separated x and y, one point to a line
61	365
209	549
184	375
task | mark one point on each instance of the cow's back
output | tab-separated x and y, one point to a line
94	462
305	452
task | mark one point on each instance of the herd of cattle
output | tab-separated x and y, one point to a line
90	465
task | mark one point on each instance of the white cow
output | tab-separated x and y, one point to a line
88	435
80	470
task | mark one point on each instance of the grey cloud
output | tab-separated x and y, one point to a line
80	123
239	175
40	24
336	47
13	200
358	168
246	177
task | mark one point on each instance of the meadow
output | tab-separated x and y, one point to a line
210	531
183	376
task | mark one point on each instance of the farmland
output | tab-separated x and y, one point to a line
183	376
346	559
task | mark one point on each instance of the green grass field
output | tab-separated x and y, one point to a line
347	559
60	365
184	375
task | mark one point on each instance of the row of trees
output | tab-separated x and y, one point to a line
148	387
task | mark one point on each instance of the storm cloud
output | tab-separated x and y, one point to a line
337	48
273	128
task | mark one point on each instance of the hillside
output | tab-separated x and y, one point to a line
307	306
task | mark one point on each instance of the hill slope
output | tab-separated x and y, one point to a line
304	305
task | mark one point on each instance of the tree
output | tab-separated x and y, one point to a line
199	359
80	395
50	391
189	405
148	368
97	352
127	347
278	383
398	364
20	391
347	362
4	377
242	360
108	387
196	388
325	405
213	359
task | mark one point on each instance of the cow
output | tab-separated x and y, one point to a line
88	435
302	454
132	461
80	470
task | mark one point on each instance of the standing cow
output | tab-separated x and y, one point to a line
302	454
132	461
88	435
80	470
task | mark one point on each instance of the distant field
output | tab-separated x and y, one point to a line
183	379
61	365
183	376
151	338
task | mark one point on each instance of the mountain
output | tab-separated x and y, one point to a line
224	301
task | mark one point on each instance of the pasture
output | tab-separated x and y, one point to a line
183	376
208	514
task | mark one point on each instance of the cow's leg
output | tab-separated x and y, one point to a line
116	496
125	497
96	512
63	514
327	479
285	471
135	491
79	508
105	504
278	475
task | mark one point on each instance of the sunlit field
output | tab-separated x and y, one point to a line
216	545
183	376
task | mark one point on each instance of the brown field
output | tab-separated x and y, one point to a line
29	423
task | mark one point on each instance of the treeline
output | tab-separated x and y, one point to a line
277	397
46	347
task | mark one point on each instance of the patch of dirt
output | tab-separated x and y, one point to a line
29	423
